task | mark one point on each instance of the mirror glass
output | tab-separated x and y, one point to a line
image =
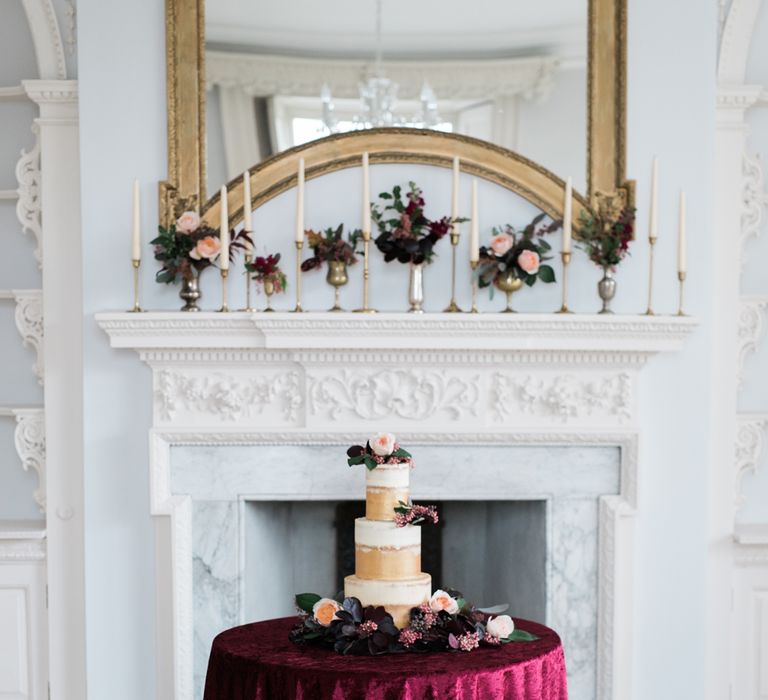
280	74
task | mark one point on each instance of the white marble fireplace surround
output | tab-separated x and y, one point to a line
477	381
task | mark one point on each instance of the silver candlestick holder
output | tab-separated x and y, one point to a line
136	307
248	282
299	246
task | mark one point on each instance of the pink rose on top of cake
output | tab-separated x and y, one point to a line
500	626
324	611
382	448
440	600
383	444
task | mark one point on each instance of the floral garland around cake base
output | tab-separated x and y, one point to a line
446	622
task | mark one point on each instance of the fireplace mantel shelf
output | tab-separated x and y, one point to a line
396	331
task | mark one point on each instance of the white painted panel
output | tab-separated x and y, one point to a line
14	656
761	650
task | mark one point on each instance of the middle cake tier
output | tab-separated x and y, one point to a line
386	552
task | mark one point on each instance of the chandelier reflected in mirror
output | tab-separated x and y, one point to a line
378	99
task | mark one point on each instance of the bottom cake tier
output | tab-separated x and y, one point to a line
397	597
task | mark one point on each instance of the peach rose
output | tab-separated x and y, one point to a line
383	444
189	221
529	261
440	600
324	611
207	248
502	243
501	626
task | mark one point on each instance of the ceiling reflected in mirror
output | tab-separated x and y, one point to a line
283	74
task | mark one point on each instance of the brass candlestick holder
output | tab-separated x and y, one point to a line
649	312
474	265
566	256
681	277
224	308
136	308
453	307
248	281
366	275
299	246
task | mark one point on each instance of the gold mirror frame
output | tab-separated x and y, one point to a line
185	187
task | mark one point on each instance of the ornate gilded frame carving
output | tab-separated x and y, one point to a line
606	126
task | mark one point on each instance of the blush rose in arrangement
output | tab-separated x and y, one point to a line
513	258
382	448
188	246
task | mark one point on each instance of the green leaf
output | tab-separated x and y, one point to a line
530	280
401	453
546	273
370	462
355	460
521	636
305	601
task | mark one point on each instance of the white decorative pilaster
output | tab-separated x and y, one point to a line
750	442
63	327
29	323
28	193
751	313
29	439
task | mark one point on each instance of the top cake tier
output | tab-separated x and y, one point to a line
385	487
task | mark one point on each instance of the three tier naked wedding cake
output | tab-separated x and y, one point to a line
387	554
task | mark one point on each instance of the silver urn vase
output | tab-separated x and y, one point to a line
606	288
190	293
416	288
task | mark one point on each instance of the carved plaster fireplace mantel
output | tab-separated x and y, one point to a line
297	381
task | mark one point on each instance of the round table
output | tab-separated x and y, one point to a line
257	662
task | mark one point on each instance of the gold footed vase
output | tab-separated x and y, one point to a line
269	290
509	284
337	278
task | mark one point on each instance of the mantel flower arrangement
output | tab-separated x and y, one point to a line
513	258
607	243
329	246
188	246
266	272
405	234
382	448
447	622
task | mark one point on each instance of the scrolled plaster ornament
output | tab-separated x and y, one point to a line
28	206
754	199
29	322
227	397
564	396
408	394
751	312
750	441
29	438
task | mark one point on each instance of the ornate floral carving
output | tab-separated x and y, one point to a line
753	197
751	312
227	397
29	202
409	394
750	440
29	322
564	396
29	438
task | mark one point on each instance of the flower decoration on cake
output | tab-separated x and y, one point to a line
382	448
410	514
188	246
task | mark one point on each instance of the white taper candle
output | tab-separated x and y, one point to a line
568	215
682	263
455	193
300	203
653	217
366	199
474	228
136	233
247	213
224	232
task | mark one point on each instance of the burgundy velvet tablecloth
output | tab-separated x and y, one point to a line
257	662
